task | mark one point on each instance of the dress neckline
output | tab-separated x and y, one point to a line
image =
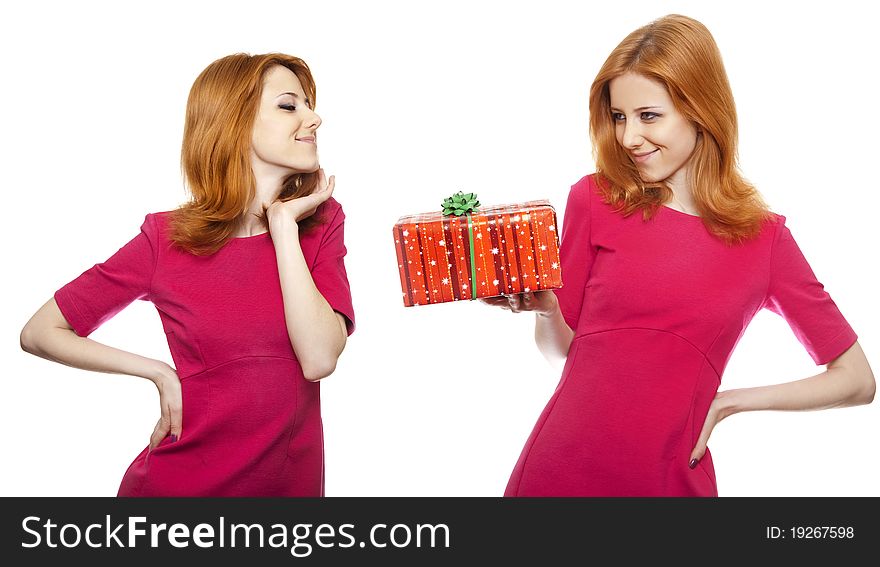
681	213
249	237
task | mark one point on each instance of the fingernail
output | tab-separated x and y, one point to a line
693	463
174	438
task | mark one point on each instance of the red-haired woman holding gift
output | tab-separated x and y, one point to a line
667	253
249	281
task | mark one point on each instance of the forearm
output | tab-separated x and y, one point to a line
66	347
552	335
850	382
313	327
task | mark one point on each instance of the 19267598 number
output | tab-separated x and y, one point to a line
811	532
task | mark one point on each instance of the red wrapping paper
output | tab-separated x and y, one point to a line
516	249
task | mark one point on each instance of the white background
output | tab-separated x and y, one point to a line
418	102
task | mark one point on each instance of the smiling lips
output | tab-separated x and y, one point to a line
306	139
641	158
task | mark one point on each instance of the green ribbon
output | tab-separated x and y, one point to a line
462	204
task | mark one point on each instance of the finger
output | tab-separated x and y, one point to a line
159	432
175	414
323	183
494	301
331	185
515	303
700	448
322	193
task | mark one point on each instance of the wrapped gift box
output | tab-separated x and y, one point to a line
488	252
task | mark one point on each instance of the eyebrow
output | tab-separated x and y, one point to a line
641	108
296	96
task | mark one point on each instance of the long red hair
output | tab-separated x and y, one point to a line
680	53
215	157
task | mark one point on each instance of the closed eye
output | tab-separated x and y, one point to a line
288	107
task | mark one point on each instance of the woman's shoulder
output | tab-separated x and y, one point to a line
330	208
586	194
587	186
156	224
773	226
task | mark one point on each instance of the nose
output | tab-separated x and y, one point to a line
632	135
312	121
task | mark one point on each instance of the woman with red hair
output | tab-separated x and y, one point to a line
249	281
667	254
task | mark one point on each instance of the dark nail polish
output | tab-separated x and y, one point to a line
174	438
693	463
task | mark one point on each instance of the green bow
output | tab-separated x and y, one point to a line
460	204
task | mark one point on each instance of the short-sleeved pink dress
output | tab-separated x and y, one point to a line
657	308
251	421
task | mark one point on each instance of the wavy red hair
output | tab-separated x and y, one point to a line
215	157
680	53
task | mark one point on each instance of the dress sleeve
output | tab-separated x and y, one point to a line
575	251
107	288
328	271
796	294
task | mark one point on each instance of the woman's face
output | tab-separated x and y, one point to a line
283	140
659	140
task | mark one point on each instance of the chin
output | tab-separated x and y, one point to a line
652	177
304	167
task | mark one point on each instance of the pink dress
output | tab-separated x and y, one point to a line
657	308
251	422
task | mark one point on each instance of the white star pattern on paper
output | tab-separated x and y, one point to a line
442	243
494	251
554	265
433	262
479	235
445	281
513	278
494	282
543	247
406	233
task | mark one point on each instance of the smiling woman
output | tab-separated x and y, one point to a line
252	323
654	303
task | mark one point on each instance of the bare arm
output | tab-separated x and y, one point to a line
48	335
847	381
317	333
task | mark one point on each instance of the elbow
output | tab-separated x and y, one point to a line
28	340
314	370
863	390
868	389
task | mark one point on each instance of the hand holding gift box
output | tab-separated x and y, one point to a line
468	252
